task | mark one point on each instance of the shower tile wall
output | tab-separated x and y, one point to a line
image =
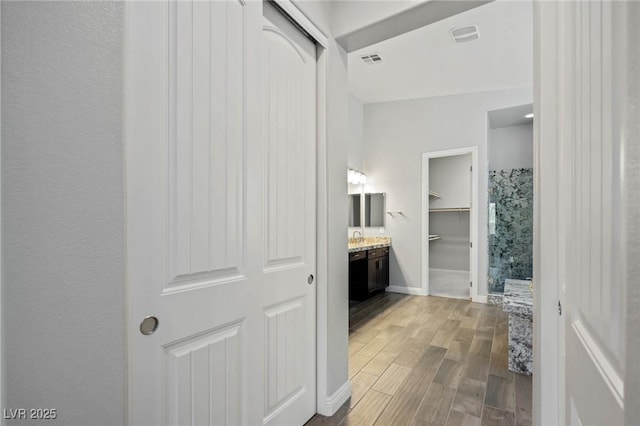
511	247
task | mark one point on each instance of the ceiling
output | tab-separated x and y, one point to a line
512	116
426	62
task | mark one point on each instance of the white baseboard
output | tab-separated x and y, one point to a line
481	298
335	401
416	291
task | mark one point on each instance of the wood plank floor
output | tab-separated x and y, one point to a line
430	361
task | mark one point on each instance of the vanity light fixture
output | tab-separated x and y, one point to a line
356	177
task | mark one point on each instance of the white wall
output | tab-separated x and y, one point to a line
452	251
355	148
397	133
335	266
451	178
355	141
63	210
511	147
337	277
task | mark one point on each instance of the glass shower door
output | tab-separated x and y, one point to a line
510	226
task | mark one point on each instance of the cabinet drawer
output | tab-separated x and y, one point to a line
378	252
357	255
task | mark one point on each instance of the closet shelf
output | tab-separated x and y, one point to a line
434	237
459	209
434	194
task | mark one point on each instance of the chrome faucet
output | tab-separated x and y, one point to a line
354	236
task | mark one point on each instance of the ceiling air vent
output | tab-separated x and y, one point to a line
466	33
372	58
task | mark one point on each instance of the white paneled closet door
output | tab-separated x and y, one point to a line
591	211
220	217
289	299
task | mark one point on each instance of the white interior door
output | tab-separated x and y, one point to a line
593	296
289	77
221	220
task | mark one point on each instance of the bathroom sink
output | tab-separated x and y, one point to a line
366	243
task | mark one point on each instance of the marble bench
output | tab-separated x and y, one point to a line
518	303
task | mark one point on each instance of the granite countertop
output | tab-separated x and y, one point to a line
518	298
367	243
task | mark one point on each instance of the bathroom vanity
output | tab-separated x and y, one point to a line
518	303
368	266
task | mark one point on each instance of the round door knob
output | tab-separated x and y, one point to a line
310	279
149	325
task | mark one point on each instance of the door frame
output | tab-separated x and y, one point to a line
473	220
325	403
548	336
552	151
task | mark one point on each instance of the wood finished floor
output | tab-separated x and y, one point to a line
430	361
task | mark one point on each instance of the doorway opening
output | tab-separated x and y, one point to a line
408	113
510	199
450	194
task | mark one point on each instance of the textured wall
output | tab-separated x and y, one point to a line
334	184
631	68
451	251
63	210
355	141
511	147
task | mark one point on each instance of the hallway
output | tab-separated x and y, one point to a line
430	361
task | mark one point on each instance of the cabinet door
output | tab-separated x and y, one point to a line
372	274
383	272
358	277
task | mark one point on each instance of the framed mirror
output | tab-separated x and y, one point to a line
355	210
355	206
374	209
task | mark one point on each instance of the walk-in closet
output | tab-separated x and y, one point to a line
449	226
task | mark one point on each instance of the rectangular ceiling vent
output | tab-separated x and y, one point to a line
466	33
372	58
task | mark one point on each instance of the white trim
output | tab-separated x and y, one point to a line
473	231
481	298
416	291
322	249
333	403
610	377
296	14
548	397
2	369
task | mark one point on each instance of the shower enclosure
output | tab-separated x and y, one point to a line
510	226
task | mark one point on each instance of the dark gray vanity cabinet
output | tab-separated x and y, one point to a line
368	272
378	269
358	275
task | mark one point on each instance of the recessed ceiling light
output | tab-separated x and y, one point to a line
529	115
